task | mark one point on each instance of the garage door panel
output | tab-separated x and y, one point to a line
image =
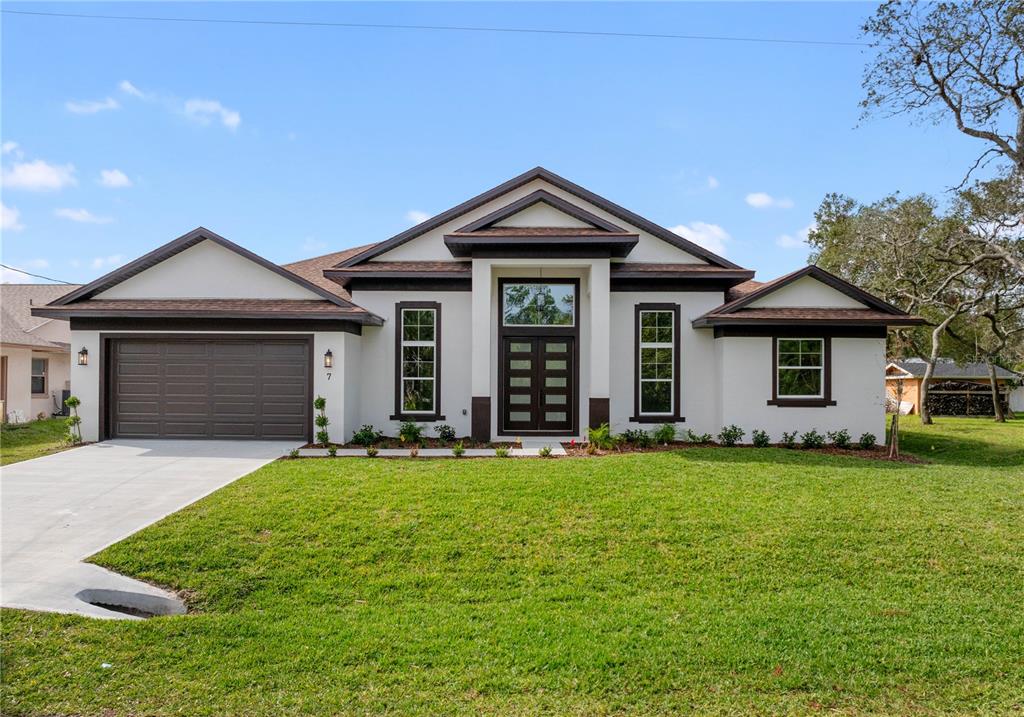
215	388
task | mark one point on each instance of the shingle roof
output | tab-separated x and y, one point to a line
17	321
951	369
312	270
248	308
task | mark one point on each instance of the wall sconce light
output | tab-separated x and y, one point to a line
83	357
328	359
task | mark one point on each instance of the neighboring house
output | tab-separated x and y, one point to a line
34	366
955	389
534	309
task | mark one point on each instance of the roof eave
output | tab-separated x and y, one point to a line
467	247
363	318
702	322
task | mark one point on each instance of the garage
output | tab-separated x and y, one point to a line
217	388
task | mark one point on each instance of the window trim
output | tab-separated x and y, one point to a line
45	375
400	414
675	415
825	399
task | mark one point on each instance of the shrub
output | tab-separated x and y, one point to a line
293	453
601	437
458	450
544	452
665	433
730	435
445	432
697	437
637	437
812	439
591	449
366	436
372	451
73	422
321	421
501	452
867	441
760	438
410	432
332	451
840	438
789	439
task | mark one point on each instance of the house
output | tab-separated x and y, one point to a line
955	389
536	308
34	352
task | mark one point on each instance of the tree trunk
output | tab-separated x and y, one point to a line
997	406
926	415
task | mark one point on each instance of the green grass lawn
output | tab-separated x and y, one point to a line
712	581
21	441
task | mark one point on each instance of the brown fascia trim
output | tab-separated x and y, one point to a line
193	325
336	274
846	332
697	273
72	312
563	184
704	322
531	246
542	195
409	283
186	241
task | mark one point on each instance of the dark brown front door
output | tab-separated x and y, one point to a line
214	388
537	384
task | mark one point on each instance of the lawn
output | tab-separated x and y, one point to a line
715	581
21	441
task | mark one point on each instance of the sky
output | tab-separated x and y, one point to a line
119	136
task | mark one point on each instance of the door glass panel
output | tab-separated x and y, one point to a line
555	399
519	398
522	364
519	348
555	365
555	381
519	381
519	416
553	417
556	348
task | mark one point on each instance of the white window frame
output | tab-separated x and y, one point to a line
45	375
401	364
820	367
671	346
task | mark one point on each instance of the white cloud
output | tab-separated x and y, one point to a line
712	182
104	261
83	216
205	111
762	200
114	178
797	241
10	219
416	216
130	89
11	148
39	176
91	107
710	236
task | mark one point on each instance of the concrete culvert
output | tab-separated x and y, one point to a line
135	604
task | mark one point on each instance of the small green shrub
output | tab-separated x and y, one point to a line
730	435
665	433
637	438
73	422
760	438
697	437
372	451
840	438
544	452
410	432
458	450
321	420
501	452
445	432
789	439
601	437
366	436
293	453
332	451
812	439
867	441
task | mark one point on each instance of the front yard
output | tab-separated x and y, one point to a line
707	580
19	442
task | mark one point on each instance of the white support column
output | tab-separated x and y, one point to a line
600	341
480	351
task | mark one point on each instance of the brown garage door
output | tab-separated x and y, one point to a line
210	388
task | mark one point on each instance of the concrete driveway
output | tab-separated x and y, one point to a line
59	509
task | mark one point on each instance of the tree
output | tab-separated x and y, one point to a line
952	60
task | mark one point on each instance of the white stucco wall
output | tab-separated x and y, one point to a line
858	388
807	292
698	367
209	271
376	377
19	381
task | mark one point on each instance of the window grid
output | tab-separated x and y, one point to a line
38	379
657	360
419	360
800	360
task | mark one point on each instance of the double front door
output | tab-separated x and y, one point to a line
537	384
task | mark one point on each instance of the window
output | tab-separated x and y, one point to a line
537	304
39	370
656	393
418	369
801	368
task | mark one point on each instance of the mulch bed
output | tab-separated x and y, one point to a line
878	453
387	442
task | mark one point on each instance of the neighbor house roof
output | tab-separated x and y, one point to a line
946	369
736	311
17	322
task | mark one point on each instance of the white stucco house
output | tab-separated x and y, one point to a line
536	308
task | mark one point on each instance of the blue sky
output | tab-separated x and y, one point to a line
295	141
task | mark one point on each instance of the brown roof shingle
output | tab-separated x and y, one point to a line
205	308
312	270
784	315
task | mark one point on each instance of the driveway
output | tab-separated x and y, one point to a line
59	509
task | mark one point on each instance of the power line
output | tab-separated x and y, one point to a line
446	28
38	276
